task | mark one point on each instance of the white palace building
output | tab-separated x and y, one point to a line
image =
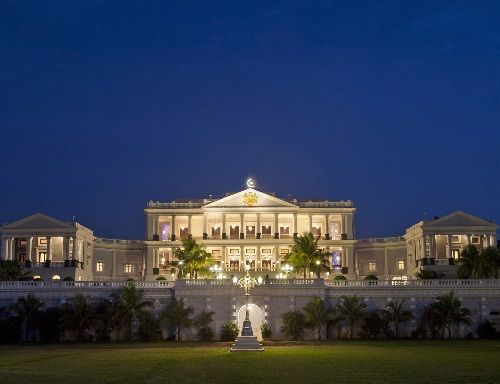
255	230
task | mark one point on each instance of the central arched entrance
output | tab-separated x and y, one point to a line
256	318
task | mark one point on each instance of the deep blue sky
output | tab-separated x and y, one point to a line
105	105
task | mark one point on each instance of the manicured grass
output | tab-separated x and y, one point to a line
465	361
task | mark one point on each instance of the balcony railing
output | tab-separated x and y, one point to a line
449	283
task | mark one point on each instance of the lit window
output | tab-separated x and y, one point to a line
372	266
128	268
401	265
56	277
455	254
99	266
316	230
475	240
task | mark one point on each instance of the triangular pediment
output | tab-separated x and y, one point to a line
460	219
250	198
37	221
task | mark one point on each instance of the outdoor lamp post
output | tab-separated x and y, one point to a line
317	268
286	270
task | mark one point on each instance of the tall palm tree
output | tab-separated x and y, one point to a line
194	258
307	255
176	315
483	264
450	311
78	316
29	310
318	314
351	309
397	314
127	305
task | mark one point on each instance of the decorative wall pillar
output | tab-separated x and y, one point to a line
74	256
67	249
156	225
5	248
242	259
310	223
432	243
190	233
386	264
423	245
469	241
343	225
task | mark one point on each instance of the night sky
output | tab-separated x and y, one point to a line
105	105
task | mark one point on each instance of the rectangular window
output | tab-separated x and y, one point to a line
475	240
266	231
42	241
250	250
455	239
183	233
128	268
372	266
316	230
23	242
401	265
99	266
284	251
250	232
266	251
234	232
284	231
215	252
215	232
455	254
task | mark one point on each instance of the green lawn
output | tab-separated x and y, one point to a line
474	361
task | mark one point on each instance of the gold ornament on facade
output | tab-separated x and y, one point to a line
250	198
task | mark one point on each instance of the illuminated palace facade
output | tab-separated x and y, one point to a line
248	229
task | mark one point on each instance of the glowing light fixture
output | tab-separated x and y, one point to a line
250	182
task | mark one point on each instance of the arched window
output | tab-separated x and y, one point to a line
56	278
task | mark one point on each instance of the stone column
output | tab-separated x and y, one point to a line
448	253
344	227
432	242
277	257
242	223
205	225
224	233
29	248
156	226
172	230
276	229
5	248
258	261
67	249
295	230
310	223
422	244
12	248
259	229
224	258
74	256
189	226
49	250
327	227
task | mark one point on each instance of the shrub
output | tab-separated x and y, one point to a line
423	274
340	278
68	278
206	333
293	324
160	278
229	331
371	277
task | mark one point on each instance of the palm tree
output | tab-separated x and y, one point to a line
450	311
318	314
478	264
306	254
12	270
194	258
351	309
128	304
397	314
176	315
78	316
29	310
